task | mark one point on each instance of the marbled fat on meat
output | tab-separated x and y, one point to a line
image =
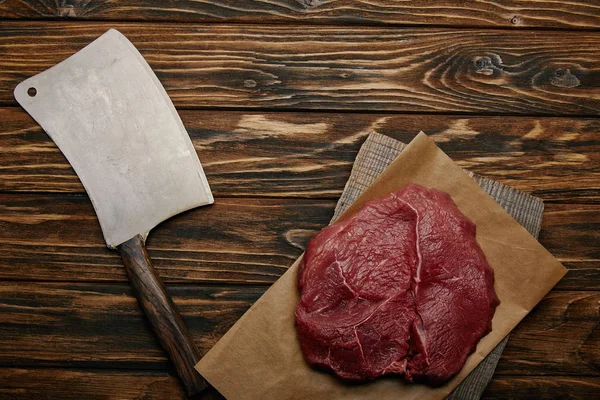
401	288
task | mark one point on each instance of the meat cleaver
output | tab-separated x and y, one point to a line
109	114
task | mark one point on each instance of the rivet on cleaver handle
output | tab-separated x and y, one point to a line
109	114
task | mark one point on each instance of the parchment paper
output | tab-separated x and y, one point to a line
260	357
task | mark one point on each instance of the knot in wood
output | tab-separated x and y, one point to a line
310	3
249	83
67	11
564	78
486	65
515	20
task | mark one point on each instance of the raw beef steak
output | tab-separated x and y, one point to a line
402	288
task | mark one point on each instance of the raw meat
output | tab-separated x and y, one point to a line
402	288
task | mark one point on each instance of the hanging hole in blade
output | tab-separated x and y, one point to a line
32	92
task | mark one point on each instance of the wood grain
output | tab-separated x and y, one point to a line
28	383
69	384
341	68
563	329
162	315
233	241
542	388
311	154
100	326
576	14
564	220
242	241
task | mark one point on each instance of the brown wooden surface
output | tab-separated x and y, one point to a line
281	154
575	14
100	326
157	385
278	97
243	241
337	68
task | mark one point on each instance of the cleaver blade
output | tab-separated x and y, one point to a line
110	116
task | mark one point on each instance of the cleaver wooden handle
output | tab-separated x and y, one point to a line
162	314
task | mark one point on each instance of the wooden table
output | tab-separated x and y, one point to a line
278	96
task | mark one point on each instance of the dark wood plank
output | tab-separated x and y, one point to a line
563	220
349	68
581	273
26	384
100	326
542	388
311	154
577	14
71	384
233	241
563	330
244	241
